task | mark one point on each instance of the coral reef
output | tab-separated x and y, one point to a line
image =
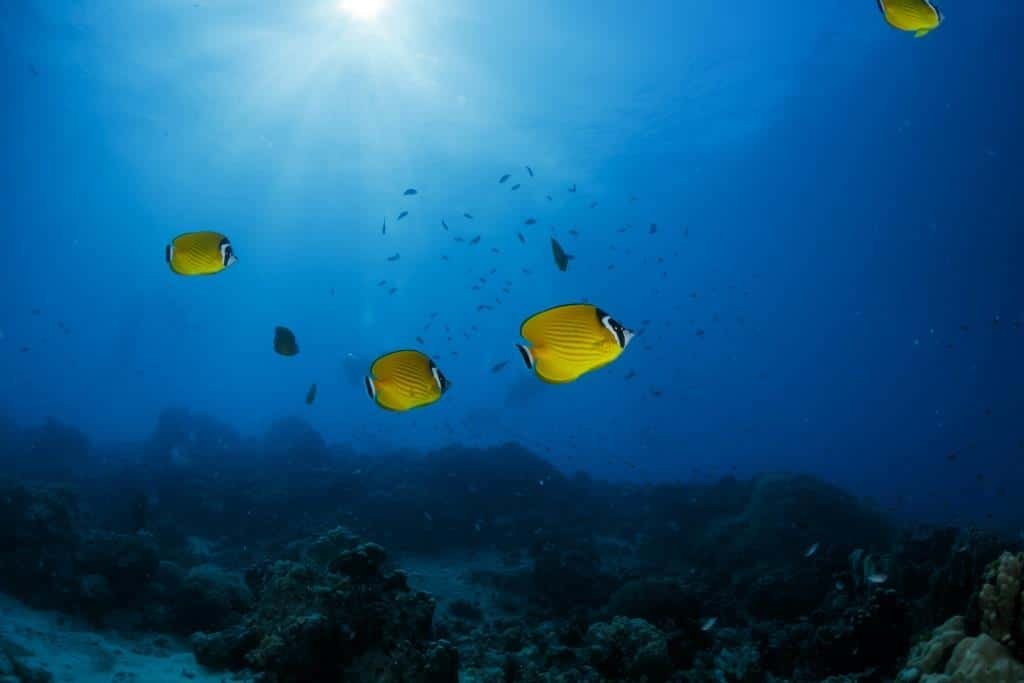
992	656
979	660
628	649
333	616
931	656
546	577
1001	602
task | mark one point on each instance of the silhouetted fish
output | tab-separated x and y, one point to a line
521	238
311	395
561	258
653	229
475	240
444	225
530	171
593	204
572	188
514	187
504	178
395	257
384	227
403	215
499	366
410	192
530	221
468	215
284	342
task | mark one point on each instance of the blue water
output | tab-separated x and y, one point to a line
837	207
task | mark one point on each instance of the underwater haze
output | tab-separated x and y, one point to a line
836	208
811	219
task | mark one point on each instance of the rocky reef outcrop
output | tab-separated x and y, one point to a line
989	654
335	612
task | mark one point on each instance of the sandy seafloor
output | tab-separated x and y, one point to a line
74	652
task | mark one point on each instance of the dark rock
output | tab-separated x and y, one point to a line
464	609
629	649
349	620
129	562
38	543
663	602
210	598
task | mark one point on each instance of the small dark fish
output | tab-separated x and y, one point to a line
530	221
630	375
521	238
382	283
530	171
395	257
459	239
311	395
25	349
593	204
410	192
548	197
403	215
484	307
572	188
284	342
700	333
499	366
475	240
504	178
444	258
574	233
561	258
468	215
34	70
632	197
495	250
392	291
384	227
653	229
656	393
420	340
514	187
444	225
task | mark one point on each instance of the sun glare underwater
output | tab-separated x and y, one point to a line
660	341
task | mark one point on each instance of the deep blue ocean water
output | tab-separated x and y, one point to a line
833	286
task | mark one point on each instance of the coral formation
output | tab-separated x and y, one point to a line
1002	604
628	649
325	618
551	578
